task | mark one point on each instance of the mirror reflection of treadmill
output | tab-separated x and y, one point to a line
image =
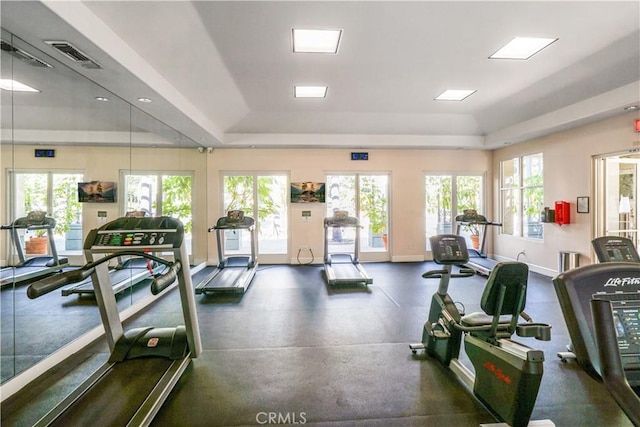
233	274
127	274
29	269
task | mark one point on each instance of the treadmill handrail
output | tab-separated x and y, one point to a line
163	281
611	368
51	283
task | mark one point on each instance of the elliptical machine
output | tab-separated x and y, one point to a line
507	374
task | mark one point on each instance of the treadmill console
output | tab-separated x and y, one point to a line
34	220
36	217
618	282
131	232
449	249
471	216
235	219
615	249
235	216
341	219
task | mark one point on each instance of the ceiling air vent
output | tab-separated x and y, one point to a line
71	52
22	55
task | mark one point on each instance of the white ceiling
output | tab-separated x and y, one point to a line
222	72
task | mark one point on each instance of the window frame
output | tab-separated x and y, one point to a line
519	188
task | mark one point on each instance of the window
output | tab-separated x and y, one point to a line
446	196
57	194
264	198
160	194
522	194
365	197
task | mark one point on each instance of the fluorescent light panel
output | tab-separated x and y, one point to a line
522	48
454	94
16	86
316	41
310	91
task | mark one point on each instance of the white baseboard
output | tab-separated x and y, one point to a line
532	267
306	261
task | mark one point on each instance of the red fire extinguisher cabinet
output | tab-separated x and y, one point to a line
563	215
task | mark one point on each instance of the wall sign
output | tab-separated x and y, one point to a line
359	156
39	152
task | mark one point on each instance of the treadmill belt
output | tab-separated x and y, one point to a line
347	272
226	278
115	399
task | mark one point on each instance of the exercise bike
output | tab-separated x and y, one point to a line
507	374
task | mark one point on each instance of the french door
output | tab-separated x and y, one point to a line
617	195
55	193
448	195
158	194
365	196
262	196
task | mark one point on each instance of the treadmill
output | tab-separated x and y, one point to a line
233	274
343	268
601	306
478	259
145	363
34	267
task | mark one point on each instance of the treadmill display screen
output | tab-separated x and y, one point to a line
618	283
135	238
615	249
619	254
627	319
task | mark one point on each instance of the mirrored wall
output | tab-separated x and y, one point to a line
84	156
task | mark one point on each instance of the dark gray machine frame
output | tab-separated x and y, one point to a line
601	306
507	374
34	267
343	268
478	259
145	363
233	274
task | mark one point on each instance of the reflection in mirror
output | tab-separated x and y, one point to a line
49	130
7	308
96	142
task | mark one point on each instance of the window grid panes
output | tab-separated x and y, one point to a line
365	197
522	196
447	196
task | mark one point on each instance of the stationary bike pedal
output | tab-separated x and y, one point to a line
441	335
437	331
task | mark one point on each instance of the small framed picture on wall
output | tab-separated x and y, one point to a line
583	204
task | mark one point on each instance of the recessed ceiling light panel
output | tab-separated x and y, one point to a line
102	99
454	94
310	91
522	48
144	100
316	41
16	86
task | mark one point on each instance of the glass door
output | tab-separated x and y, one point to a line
263	197
448	195
616	203
161	194
365	196
57	194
